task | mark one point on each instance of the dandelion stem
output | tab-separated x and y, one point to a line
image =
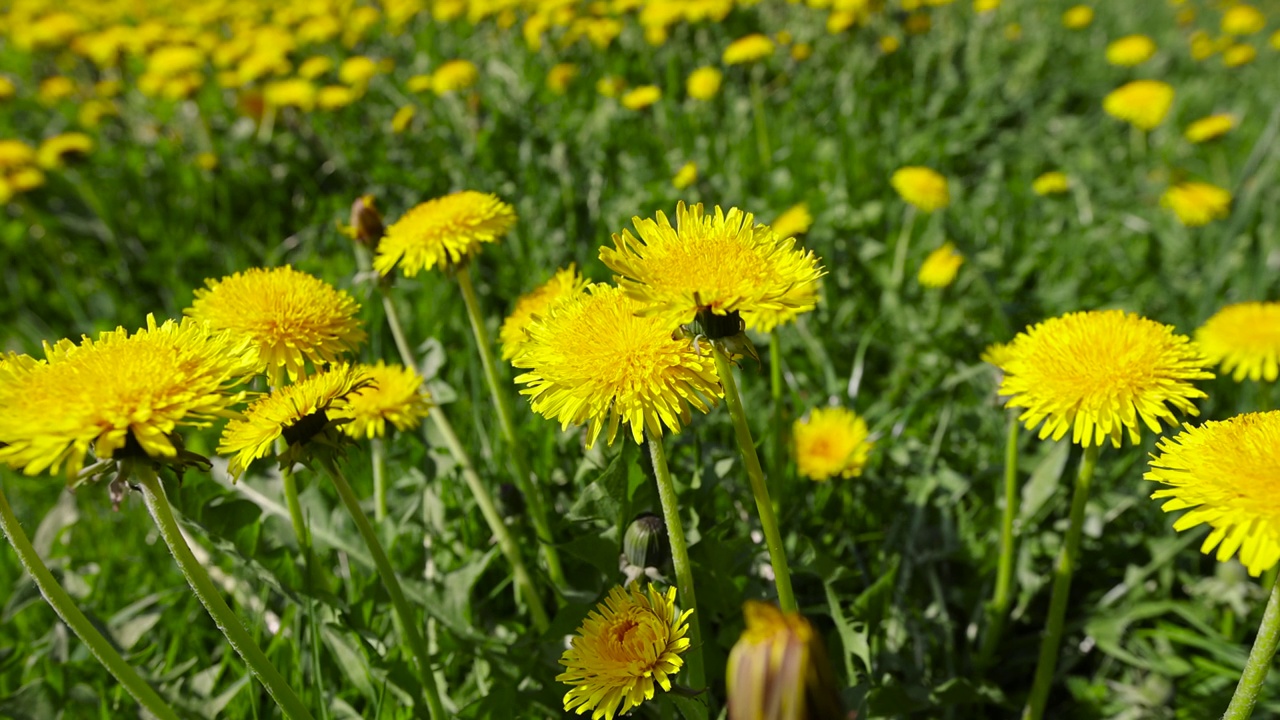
775	389
999	608
679	559
768	520
226	620
1259	662
65	606
757	112
900	250
295	508
404	613
377	453
524	477
1049	644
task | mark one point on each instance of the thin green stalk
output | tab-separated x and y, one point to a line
1052	640
1259	662
404	613
999	608
296	518
777	456
768	520
223	617
696	677
65	606
397	331
377	456
900	250
524	477
757	112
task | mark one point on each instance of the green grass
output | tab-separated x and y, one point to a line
893	567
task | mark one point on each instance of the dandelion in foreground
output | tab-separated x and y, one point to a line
120	395
1131	50
626	649
1197	203
592	360
1097	374
779	669
922	187
720	264
289	316
941	267
1141	103
831	442
513	336
394	394
1210	128
1053	182
1244	340
443	232
748	49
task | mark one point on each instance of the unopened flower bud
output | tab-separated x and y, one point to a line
646	544
779	669
366	222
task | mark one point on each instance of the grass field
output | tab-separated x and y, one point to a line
211	155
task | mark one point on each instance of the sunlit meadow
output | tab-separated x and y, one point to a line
639	358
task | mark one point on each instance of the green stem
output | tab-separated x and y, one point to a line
757	111
296	517
404	613
501	401
397	331
696	677
377	454
900	250
223	617
777	456
1259	662
1049	645
999	608
66	608
768	520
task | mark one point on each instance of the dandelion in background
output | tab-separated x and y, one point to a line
611	86
559	77
314	67
1244	340
293	92
404	115
1053	182
443	232
1210	128
1130	50
748	49
922	188
1197	203
687	175
795	220
940	267
453	76
704	83
335	97
357	71
641	97
513	335
1077	17
831	442
55	151
1238	55
1141	103
626	649
1243	19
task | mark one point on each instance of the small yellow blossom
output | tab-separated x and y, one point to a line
1197	203
687	176
1053	182
704	83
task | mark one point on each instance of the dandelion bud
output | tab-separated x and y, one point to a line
366	222
779	669
646	544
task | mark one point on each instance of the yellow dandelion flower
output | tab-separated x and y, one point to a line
7	88
795	220
91	113
119	394
453	76
801	51
686	176
394	395
922	187
748	49
289	316
1243	20
404	115
1141	103
1197	203
982	7
174	60
779	668
996	354
722	263
626	649
1209	128
25	179
15	154
1244	339
314	67
1053	182
611	86
335	97
1077	17
357	70
917	23
1185	16
641	97
1274	41
1239	54
513	336
54	89
55	151
207	161
1131	50
704	83
839	21
1099	373
297	412
443	232
293	92
940	267
418	83
829	442
592	360
1202	46
559	77
1228	474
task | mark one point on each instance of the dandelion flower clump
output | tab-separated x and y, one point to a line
443	232
1130	50
592	360
748	49
1244	339
1142	103
723	263
1197	203
566	283
290	317
1209	128
922	187
394	394
829	442
940	267
629	646
1096	374
1228	474
118	390
1053	182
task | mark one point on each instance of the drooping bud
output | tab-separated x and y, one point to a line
779	669
366	222
646	543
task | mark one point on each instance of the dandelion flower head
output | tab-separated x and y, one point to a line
1244	339
592	360
1239	54
1142	103
1228	474
289	316
56	150
394	394
704	83
1197	203
829	442
1096	374
453	76
566	283
629	646
1053	182
559	77
922	187
117	391
443	232
723	263
686	176
1077	17
1243	19
941	267
1209	128
795	220
1131	50
641	97
748	49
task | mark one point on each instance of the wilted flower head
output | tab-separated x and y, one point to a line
1142	103
941	266
443	232
1244	339
831	441
1197	203
366	222
748	49
779	669
513	335
922	187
